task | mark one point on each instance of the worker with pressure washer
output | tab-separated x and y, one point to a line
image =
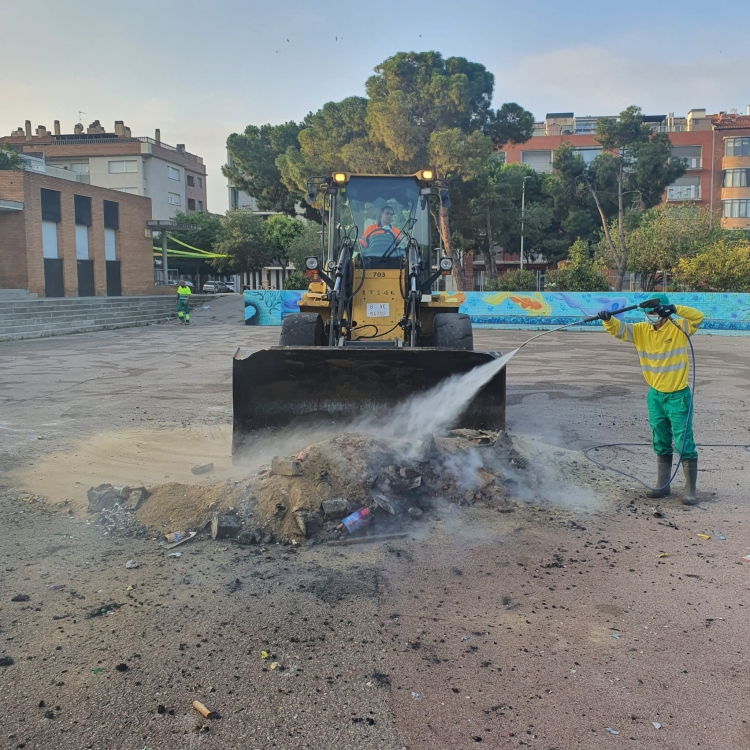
662	347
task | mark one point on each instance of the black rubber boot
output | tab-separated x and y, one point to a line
690	469
664	473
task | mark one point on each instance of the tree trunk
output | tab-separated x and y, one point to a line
622	261
445	232
490	265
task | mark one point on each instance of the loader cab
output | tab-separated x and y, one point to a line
380	214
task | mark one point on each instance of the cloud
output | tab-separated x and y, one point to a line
592	80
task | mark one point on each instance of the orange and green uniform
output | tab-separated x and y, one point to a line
664	361
183	302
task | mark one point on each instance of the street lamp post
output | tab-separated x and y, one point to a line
523	211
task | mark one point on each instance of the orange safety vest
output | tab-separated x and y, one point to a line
377	229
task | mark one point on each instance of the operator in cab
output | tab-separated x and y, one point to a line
662	347
384	226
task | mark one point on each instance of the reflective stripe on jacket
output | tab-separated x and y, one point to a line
663	353
377	229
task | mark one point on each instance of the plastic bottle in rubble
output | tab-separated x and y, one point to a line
357	520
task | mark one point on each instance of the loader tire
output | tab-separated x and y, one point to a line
302	329
452	331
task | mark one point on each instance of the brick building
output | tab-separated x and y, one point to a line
716	148
61	238
172	178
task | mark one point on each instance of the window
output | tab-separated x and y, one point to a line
80	168
200	182
190	180
82	206
685	189
736	209
174	199
588	154
191	204
118	167
50	205
200	205
737	147
110	244
82	242
49	239
111	215
132	191
539	161
735	178
173	174
691	155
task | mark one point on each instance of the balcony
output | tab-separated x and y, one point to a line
684	193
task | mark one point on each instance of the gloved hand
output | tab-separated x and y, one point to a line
664	311
604	315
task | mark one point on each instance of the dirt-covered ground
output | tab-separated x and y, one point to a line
545	625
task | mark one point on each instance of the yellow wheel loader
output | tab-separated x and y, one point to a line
371	330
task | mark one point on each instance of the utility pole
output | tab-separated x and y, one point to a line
523	211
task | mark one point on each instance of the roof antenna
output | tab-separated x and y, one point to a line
79	115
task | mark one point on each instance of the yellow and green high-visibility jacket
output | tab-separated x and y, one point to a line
183	292
663	353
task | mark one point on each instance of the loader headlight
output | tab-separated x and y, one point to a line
446	264
425	175
311	264
340	177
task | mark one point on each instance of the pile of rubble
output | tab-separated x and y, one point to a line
351	485
338	486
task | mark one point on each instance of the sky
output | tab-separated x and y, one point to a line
202	70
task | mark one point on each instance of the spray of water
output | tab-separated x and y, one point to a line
432	412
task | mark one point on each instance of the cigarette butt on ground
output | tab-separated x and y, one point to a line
202	710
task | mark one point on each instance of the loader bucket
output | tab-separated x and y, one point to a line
325	386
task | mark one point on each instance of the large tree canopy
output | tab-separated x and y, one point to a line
421	110
252	167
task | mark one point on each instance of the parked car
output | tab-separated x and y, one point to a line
216	287
172	282
230	285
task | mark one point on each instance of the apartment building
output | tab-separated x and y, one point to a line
716	148
173	178
62	238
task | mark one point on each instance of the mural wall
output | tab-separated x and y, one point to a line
727	314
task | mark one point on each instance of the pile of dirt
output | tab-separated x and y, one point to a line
399	482
181	507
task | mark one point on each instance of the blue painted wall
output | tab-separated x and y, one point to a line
727	314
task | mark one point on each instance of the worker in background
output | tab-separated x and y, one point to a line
384	226
663	350
183	302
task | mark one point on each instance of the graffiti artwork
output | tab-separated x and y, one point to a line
262	307
727	314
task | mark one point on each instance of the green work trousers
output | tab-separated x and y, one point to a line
183	306
670	418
